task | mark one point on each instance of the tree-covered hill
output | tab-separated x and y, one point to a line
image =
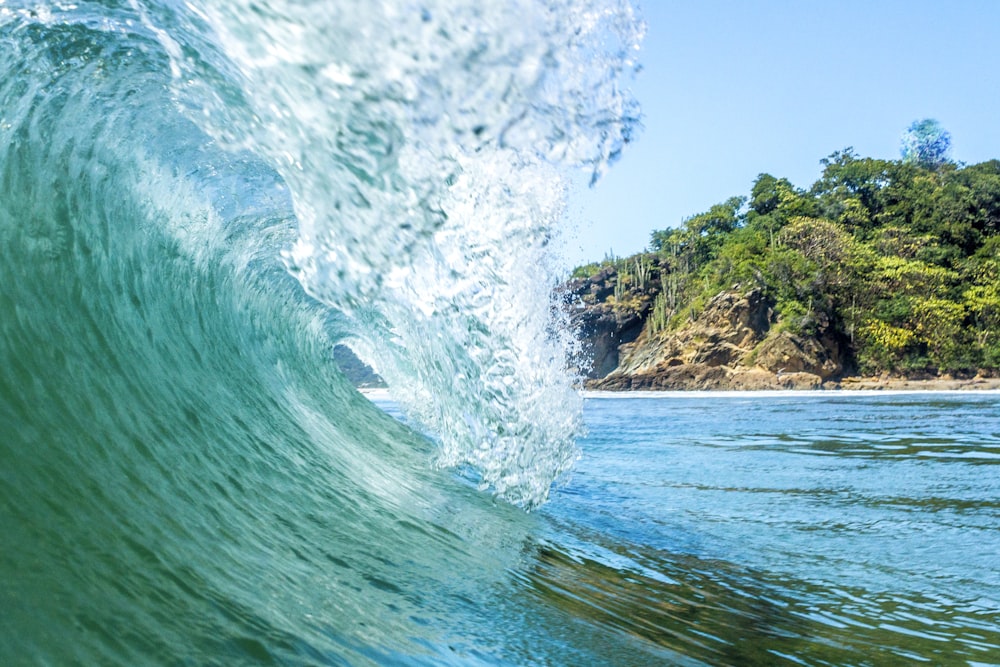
897	261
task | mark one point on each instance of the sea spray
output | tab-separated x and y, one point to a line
426	146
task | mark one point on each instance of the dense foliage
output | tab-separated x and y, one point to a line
897	258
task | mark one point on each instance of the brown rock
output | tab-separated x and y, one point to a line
799	380
725	332
602	331
787	353
729	345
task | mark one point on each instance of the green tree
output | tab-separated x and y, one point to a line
702	234
851	189
882	346
901	259
938	324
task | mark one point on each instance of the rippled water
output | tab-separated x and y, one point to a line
820	529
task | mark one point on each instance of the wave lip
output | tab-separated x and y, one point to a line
426	150
409	165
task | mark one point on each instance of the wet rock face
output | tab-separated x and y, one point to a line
602	332
602	327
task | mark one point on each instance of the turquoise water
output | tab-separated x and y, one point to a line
817	528
200	200
800	529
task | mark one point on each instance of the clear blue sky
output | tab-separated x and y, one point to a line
734	88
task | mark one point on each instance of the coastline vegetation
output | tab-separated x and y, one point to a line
898	258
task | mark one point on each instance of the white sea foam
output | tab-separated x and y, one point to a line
427	149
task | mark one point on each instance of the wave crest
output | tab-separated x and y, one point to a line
426	147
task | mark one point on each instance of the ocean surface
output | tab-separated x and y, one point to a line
200	199
816	528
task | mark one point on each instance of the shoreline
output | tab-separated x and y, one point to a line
850	385
702	377
598	394
977	383
853	386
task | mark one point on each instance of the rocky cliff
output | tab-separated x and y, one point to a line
356	371
735	342
602	325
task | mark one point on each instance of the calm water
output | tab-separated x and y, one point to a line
774	529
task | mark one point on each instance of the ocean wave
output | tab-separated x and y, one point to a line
198	201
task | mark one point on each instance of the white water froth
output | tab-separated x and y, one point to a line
427	147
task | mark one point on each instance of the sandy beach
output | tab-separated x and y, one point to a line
902	384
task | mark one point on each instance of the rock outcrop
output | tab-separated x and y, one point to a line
699	377
356	371
602	325
724	334
787	353
735	342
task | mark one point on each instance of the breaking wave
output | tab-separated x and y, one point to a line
199	201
